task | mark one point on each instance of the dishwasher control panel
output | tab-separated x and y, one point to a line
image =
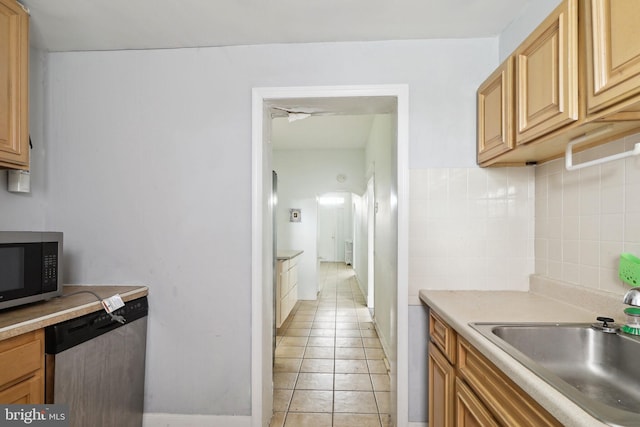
64	335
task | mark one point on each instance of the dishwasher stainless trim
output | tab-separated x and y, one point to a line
97	366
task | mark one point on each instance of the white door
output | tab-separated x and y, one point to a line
327	233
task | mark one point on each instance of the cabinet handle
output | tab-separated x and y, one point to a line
568	157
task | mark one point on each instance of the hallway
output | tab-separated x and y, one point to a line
329	367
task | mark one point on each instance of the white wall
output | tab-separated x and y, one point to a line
147	170
302	176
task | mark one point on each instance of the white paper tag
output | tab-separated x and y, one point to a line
113	303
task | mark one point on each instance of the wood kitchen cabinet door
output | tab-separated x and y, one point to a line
495	113
441	389
14	86
27	392
22	368
613	52
470	412
547	75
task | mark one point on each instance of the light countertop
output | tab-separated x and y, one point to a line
459	308
284	254
19	320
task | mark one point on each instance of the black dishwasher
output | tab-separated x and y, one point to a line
96	366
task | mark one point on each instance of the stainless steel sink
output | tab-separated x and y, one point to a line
599	371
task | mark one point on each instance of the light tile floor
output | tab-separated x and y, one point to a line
329	367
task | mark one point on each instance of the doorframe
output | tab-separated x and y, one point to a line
371	229
262	315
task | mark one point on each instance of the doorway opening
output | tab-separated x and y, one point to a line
335	227
394	212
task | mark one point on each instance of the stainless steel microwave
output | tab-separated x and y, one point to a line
30	267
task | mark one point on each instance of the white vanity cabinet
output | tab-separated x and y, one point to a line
286	284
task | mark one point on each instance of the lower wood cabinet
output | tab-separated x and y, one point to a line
22	372
468	390
442	376
26	392
508	402
470	411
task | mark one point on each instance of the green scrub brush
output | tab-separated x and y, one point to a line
632	326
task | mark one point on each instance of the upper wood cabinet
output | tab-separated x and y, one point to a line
576	76
14	86
495	113
613	52
547	75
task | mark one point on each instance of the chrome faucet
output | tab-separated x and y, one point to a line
632	297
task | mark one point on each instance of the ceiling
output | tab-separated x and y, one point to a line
326	123
322	132
71	25
81	25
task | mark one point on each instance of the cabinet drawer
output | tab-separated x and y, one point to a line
293	277
24	354
443	336
284	283
288	302
509	403
283	266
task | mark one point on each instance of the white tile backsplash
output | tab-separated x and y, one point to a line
584	219
471	228
489	229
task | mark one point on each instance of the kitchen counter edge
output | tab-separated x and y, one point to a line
20	320
459	308
288	254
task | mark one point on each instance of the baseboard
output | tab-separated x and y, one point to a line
156	419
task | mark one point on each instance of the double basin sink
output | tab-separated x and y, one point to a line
599	371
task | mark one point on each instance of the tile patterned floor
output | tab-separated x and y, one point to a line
329	367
